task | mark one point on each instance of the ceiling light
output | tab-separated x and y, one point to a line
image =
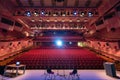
46	14
75	13
82	14
70	20
55	20
54	14
28	13
90	14
63	20
78	20
42	12
33	20
40	20
63	14
48	20
36	13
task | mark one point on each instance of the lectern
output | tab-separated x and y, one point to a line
110	69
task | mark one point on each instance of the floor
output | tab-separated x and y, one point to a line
64	75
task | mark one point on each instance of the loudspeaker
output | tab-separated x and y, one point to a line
110	69
2	70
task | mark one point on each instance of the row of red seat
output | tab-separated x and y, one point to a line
60	59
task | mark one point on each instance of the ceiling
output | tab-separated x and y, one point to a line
38	22
68	15
57	3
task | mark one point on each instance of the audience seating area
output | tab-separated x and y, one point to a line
60	59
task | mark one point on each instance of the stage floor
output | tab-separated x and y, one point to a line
83	75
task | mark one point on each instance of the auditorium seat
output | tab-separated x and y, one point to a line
42	58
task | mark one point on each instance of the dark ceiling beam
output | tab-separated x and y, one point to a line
65	3
88	2
99	3
53	3
19	3
76	3
30	2
42	3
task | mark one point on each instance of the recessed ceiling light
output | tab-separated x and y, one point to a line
75	13
78	20
33	20
28	13
90	14
36	14
63	14
40	20
55	20
48	20
63	20
70	20
82	14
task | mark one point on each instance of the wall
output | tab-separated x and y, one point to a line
111	48
10	48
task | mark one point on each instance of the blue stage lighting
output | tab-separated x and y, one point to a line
75	13
28	13
59	43
42	13
70	42
90	14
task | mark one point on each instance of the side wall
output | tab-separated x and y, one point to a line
11	48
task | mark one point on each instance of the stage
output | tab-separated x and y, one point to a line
83	75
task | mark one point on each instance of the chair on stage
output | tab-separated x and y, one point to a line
74	75
50	74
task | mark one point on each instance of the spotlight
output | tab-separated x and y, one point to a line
70	42
17	63
82	14
46	14
63	13
80	44
74	13
42	12
59	43
33	20
36	13
90	14
28	13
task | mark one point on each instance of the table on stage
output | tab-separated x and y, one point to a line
15	67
